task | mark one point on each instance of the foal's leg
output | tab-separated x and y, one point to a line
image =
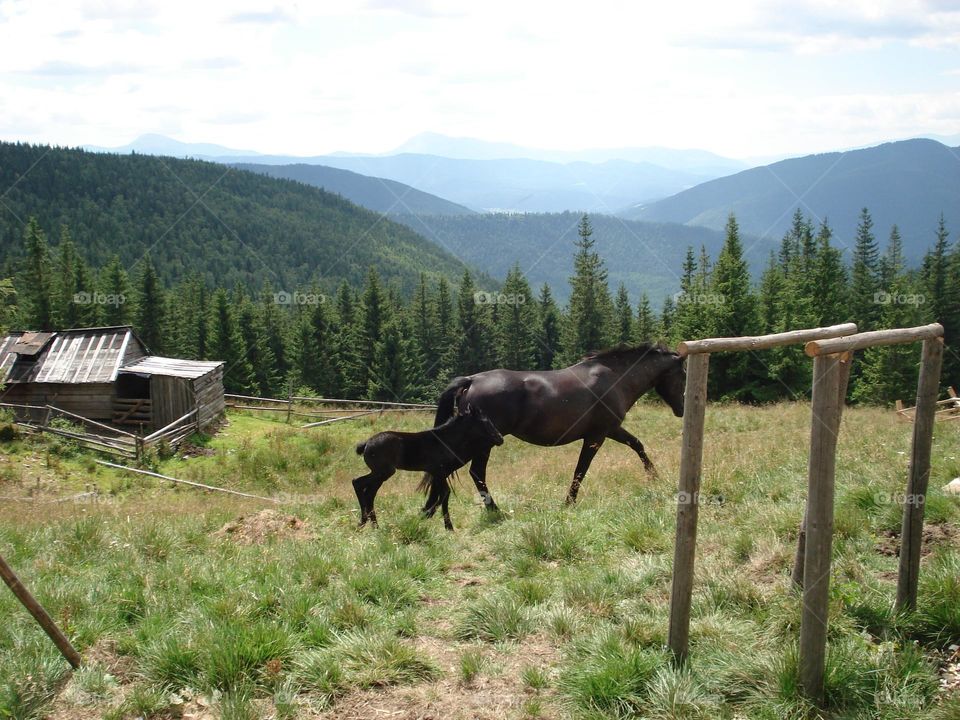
368	485
589	449
622	436
445	500
361	486
478	473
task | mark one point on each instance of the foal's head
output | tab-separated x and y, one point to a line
484	425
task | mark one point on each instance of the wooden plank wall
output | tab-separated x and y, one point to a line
209	396
172	398
92	400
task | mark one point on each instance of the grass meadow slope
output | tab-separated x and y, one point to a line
188	604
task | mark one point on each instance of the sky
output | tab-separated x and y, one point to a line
744	79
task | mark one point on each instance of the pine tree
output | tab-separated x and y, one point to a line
732	312
547	339
516	323
623	312
37	280
890	372
395	373
864	282
645	329
590	315
831	304
473	347
68	295
115	287
151	306
266	379
227	345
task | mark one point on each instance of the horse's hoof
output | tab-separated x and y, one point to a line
492	508
448	526
570	501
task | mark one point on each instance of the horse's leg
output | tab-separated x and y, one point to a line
361	486
478	472
373	483
433	499
445	500
631	441
587	452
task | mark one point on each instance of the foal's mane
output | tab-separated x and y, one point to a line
626	352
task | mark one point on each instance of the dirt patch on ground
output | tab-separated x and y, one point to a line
497	692
949	662
264	526
934	536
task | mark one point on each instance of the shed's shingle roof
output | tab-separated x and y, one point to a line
154	365
89	355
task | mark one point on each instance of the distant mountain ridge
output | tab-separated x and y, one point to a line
645	257
907	183
226	225
377	194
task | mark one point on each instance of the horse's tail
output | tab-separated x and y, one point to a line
361	446
446	403
428	481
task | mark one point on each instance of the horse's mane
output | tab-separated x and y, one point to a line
626	352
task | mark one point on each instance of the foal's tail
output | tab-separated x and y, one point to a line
428	481
446	403
361	446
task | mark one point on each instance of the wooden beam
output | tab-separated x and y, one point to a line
39	614
763	342
825	424
688	499
185	482
872	339
911	530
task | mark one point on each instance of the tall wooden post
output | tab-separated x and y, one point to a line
846	361
688	498
911	532
825	424
39	614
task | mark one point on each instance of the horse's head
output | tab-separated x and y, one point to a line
671	383
485	424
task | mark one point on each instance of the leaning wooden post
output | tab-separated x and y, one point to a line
846	362
39	614
825	424
911	532
685	545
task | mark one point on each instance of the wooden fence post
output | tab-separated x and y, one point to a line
911	532
39	614
825	423
846	362
688	498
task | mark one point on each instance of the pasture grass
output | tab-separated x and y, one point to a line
538	611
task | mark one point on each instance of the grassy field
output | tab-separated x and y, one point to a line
196	605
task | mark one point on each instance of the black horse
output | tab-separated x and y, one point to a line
439	452
587	401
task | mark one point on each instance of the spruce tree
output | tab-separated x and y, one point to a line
115	286
69	297
227	345
89	314
547	339
590	315
623	313
645	329
830	280
473	346
425	328
516	323
37	280
732	307
864	281
395	374
266	379
151	307
274	324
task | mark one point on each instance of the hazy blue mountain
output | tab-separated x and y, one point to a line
700	162
646	257
377	194
516	185
153	144
908	183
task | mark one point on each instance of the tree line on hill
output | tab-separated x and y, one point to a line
374	342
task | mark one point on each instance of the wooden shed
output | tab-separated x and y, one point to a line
107	374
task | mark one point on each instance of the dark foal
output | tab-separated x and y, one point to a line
438	452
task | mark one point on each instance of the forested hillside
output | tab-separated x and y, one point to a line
225	225
908	183
644	256
377	194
